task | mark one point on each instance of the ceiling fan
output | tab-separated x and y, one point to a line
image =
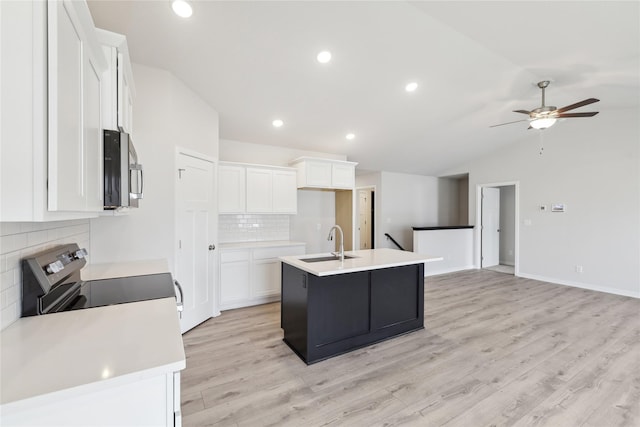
545	116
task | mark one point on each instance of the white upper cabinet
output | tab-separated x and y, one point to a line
325	173
245	188
118	90
285	191
75	66
259	190
50	70
231	189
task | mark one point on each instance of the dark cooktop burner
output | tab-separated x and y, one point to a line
98	293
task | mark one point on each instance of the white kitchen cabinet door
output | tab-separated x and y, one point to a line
75	67
259	190
109	88
231	189
325	173
66	150
234	276
118	90
342	176
285	192
92	138
318	174
265	278
125	97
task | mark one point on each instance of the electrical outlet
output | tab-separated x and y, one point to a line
579	269
527	222
319	226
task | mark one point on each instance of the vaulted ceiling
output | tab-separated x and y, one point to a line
474	62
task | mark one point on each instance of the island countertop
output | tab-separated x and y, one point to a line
364	260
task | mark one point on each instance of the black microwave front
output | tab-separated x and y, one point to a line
123	174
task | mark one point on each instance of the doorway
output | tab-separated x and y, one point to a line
344	218
498	233
366	206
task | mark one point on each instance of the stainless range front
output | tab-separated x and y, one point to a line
51	282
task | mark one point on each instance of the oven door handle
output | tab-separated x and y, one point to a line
179	304
138	169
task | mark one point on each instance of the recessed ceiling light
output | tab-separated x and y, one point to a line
182	8
277	123
411	87
350	136
324	57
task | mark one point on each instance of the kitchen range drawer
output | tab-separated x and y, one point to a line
267	253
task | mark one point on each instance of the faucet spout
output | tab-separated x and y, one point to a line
341	253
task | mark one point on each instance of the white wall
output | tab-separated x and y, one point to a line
448	201
316	215
591	165
166	115
406	201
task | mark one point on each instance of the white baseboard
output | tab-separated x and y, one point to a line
509	263
615	291
249	302
448	270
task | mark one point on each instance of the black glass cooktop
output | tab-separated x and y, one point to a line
98	293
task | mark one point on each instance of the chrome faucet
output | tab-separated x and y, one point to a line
341	253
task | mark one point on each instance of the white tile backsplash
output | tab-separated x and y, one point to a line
252	228
22	239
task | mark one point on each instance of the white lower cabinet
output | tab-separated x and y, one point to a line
234	276
153	400
251	276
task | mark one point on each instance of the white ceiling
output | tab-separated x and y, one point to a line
475	63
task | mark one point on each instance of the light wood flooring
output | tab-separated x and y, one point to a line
496	350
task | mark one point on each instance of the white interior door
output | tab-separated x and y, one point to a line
490	227
195	232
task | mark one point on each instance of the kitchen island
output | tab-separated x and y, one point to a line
330	307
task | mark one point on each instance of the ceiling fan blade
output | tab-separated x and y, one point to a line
508	123
577	104
565	115
522	111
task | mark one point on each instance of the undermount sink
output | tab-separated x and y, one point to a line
326	258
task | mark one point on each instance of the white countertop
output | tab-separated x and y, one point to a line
364	260
261	244
55	356
124	269
75	351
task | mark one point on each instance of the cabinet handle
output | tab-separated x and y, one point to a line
179	304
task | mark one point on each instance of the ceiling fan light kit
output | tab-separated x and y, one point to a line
542	123
545	116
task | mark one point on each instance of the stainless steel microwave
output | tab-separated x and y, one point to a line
123	174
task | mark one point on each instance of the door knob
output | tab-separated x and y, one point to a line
212	247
